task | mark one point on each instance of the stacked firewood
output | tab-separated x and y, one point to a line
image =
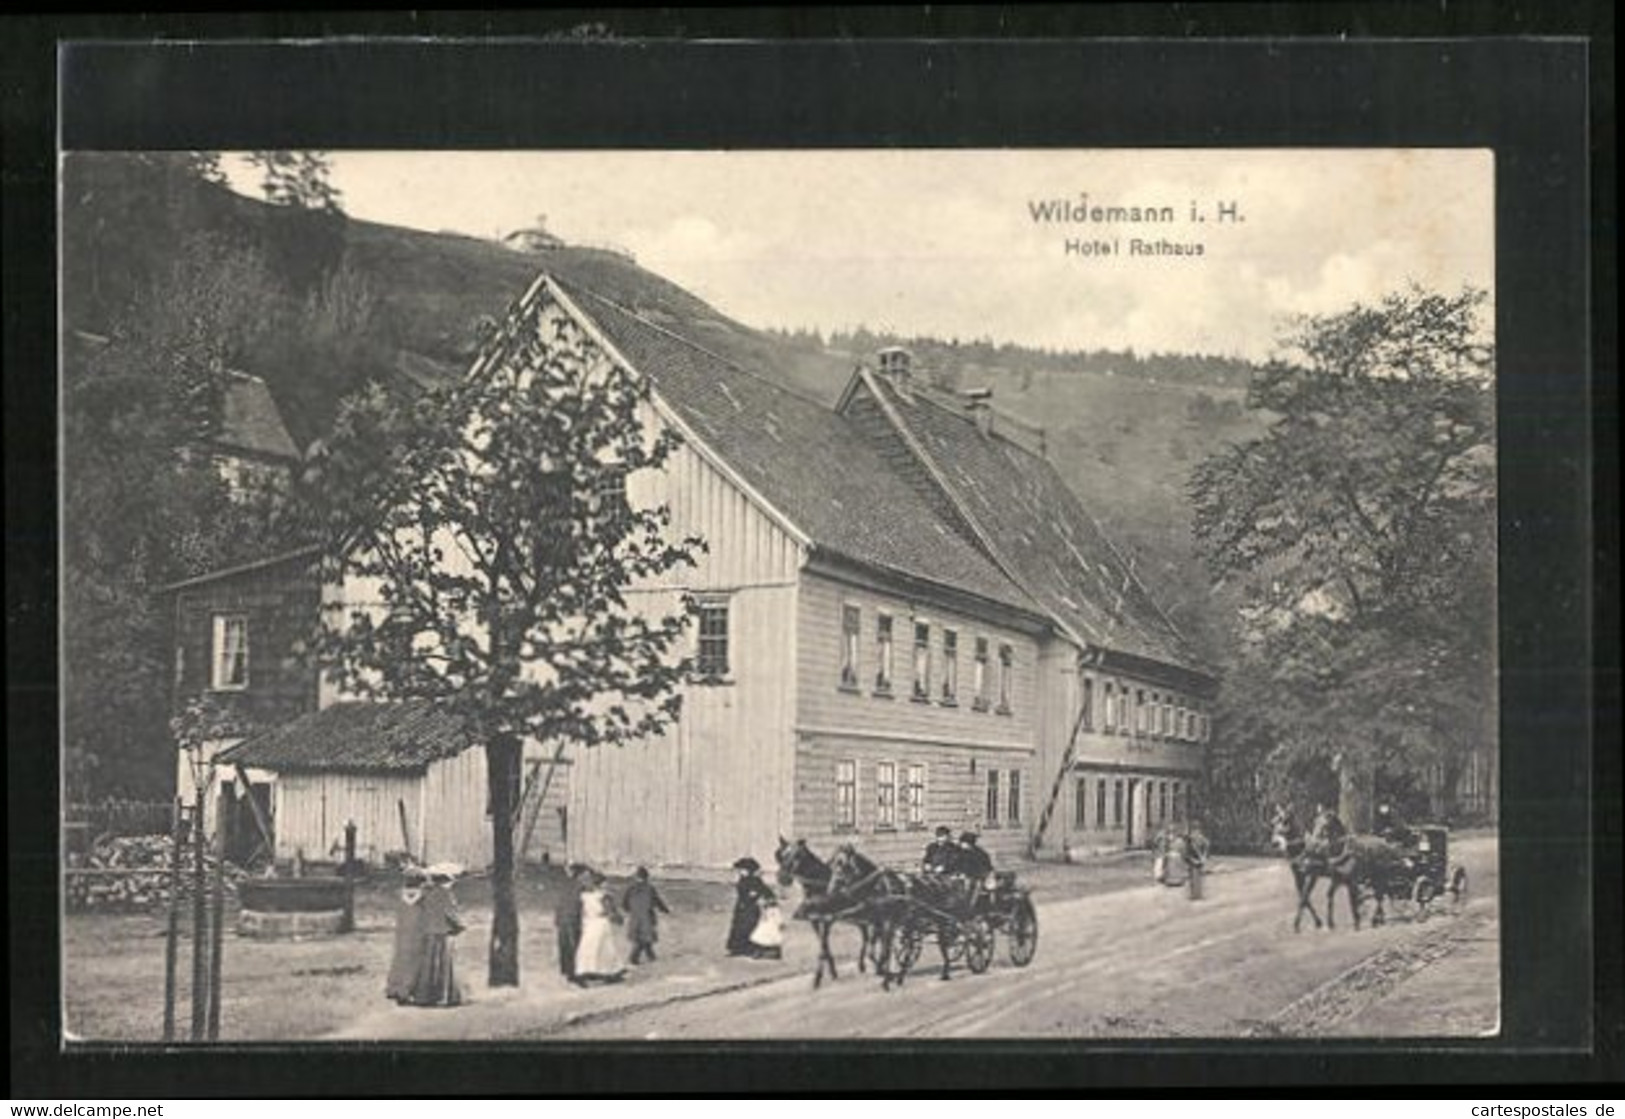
133	872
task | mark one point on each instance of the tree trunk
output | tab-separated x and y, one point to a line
502	761
1354	782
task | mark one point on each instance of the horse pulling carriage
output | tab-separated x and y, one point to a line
896	911
1407	866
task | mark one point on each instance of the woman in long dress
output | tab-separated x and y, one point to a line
751	896
598	956
403	962
435	983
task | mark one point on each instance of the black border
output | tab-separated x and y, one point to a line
1528	99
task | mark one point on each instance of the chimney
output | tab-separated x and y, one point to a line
895	363
979	406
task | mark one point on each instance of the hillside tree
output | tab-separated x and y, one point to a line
491	516
1359	531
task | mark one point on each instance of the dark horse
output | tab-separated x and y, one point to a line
887	897
797	863
1351	862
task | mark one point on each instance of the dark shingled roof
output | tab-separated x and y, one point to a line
250	420
1038	530
355	738
806	460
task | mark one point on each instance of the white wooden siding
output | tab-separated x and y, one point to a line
311	810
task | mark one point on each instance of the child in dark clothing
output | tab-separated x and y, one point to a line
643	905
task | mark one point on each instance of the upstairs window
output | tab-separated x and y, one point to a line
1108	721
851	629
229	671
1140	712
979	675
950	666
609	495
1007	673
922	661
712	660
1167	716
883	654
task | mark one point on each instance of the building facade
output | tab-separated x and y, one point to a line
906	620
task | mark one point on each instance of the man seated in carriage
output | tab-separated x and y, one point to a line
941	854
973	863
1392	827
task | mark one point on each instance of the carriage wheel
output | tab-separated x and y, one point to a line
909	942
977	937
1458	885
1023	933
1422	893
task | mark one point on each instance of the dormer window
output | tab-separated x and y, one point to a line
229	663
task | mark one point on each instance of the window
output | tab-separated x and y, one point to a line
609	494
1156	713
979	679
883	651
846	795
1088	704
1015	796
1080	804
922	661
885	795
992	798
1140	726
1117	803
230	662
914	796
1108	723
1167	716
1162	800
1173	801
1207	728
1179	723
712	662
950	666
851	627
1007	675
1125	711
1100	802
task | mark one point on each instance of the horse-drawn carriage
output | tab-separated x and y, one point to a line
897	911
1409	867
966	916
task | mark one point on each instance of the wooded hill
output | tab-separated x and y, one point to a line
349	301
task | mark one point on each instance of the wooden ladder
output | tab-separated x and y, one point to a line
531	800
1067	759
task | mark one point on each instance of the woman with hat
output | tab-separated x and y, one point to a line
751	895
435	981
598	958
403	962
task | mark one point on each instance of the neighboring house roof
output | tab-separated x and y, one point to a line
355	737
807	461
1036	527
250	420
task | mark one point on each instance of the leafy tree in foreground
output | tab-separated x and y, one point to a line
1361	528
492	516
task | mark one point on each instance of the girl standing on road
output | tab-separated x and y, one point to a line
598	958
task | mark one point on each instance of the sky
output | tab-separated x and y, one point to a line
945	243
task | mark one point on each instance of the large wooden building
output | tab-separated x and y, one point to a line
908	620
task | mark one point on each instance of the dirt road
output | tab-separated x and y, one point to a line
1143	962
